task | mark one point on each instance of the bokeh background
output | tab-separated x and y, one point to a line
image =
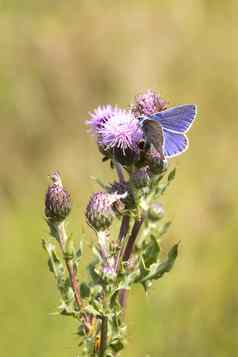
59	60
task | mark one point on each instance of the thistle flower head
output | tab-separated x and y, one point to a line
148	103
121	132
100	116
99	211
57	200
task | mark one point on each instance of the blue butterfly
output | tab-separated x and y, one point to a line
166	130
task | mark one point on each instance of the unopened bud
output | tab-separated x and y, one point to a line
148	103
141	178
99	211
122	188
57	200
155	212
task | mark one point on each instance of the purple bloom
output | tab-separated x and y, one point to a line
148	103
121	132
100	116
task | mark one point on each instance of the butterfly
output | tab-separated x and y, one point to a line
166	130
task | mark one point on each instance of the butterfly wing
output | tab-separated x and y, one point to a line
154	134
178	119
174	143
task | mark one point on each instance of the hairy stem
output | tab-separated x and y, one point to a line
127	253
131	241
119	170
103	342
62	238
124	228
125	224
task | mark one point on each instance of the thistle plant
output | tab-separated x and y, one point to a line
137	142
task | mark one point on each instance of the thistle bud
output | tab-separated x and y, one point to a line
122	188
148	103
155	212
99	211
141	178
57	200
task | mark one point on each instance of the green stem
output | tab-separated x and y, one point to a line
62	238
119	170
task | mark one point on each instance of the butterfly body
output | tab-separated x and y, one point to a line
166	130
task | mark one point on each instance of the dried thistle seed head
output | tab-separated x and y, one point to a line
99	211
57	200
148	103
155	212
141	178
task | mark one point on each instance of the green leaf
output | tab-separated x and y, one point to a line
63	284
78	254
90	309
172	175
158	270
161	188
116	344
66	309
163	228
54	263
128	279
96	290
93	272
84	290
147	284
151	252
149	256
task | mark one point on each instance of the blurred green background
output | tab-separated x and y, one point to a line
59	60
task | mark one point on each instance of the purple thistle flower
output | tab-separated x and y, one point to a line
148	103
100	116
121	132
